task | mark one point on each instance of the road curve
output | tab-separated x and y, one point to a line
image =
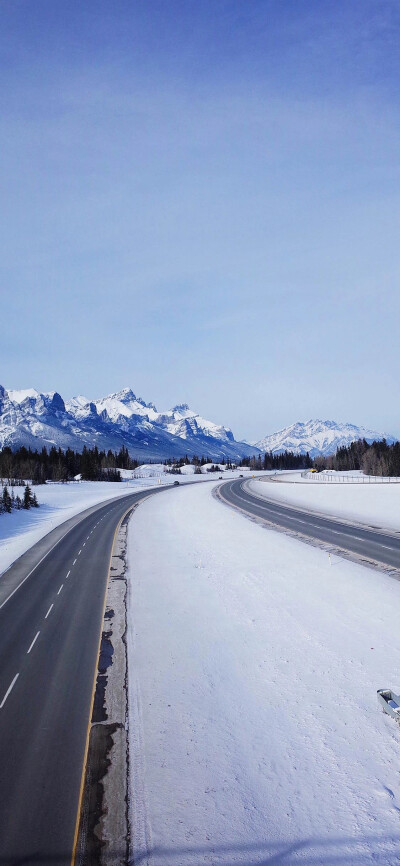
51	605
376	545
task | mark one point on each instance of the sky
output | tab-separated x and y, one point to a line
200	199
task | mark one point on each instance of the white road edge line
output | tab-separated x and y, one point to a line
325	516
60	589
9	690
32	569
52	605
333	531
67	575
74	562
33	642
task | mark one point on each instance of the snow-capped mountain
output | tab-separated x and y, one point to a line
317	437
33	419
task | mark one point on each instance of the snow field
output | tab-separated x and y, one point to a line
255	732
375	504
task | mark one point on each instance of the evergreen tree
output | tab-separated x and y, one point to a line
6	501
27	497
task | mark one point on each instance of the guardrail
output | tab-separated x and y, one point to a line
326	478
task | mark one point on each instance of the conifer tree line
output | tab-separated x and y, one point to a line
54	464
57	465
94	465
10	501
285	460
377	458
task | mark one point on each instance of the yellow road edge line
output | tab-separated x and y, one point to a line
89	727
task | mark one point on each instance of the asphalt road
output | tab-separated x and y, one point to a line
51	606
50	620
371	544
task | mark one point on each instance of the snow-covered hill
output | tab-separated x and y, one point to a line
317	437
33	419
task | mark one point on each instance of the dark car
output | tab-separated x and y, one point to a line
176	483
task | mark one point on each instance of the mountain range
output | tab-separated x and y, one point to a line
317	437
34	420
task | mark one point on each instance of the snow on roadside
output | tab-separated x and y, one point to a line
255	732
58	502
375	504
21	529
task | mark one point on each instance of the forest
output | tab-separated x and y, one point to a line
285	460
376	458
57	465
54	464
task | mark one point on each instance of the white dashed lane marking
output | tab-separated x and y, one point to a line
12	684
9	690
33	642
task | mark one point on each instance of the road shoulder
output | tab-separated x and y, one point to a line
103	835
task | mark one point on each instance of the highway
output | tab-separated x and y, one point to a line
51	608
370	544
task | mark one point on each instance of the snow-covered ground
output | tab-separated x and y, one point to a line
160	470
375	504
255	732
58	502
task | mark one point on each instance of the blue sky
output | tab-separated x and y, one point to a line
201	200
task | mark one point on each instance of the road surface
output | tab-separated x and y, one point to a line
371	544
51	606
50	621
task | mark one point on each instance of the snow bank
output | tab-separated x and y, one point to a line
375	504
188	469
256	735
146	470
